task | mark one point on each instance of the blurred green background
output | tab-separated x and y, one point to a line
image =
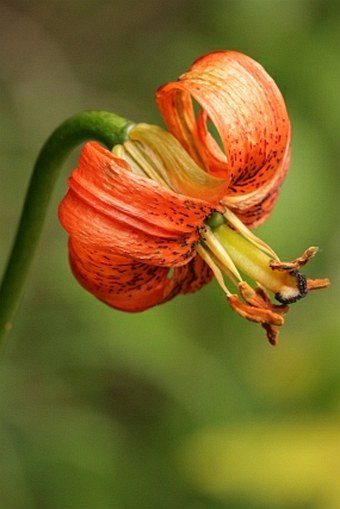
184	406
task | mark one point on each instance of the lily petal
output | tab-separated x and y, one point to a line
255	207
110	208
193	275
131	285
243	103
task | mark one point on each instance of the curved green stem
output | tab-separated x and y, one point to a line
101	126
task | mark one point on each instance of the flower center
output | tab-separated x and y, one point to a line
230	249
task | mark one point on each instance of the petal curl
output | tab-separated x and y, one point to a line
109	207
131	285
245	106
193	276
254	208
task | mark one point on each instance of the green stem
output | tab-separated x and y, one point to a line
107	128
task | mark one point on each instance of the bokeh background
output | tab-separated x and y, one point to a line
184	406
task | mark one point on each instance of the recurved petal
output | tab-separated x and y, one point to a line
90	226
111	208
193	276
131	285
119	281
255	207
135	199
245	106
255	210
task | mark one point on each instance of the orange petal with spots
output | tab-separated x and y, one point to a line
246	108
132	285
110	208
255	207
193	275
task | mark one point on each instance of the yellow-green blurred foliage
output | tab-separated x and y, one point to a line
184	406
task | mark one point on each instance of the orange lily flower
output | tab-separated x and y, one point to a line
163	213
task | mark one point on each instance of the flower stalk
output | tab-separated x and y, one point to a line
102	126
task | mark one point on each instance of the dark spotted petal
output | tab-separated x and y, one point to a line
111	209
246	108
131	285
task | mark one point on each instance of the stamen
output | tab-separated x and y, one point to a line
253	262
222	267
237	224
317	284
297	263
140	161
220	252
231	249
214	267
